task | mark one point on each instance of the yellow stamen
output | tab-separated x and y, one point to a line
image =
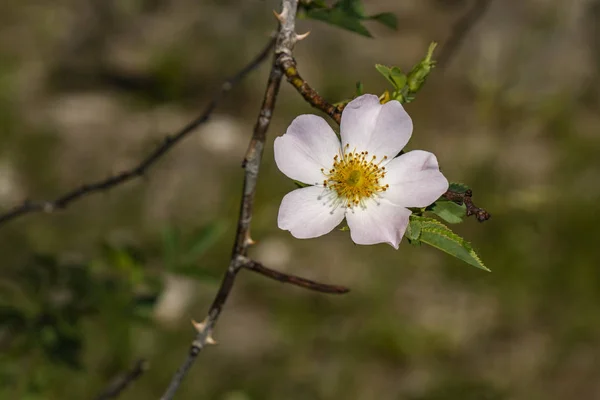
355	178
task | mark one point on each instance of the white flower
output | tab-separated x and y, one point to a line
358	179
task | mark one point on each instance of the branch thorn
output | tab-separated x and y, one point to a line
302	37
281	17
250	241
199	326
210	340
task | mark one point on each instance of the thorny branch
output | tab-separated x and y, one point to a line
460	30
286	39
288	64
140	169
122	382
283	64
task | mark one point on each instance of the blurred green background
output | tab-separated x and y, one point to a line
88	87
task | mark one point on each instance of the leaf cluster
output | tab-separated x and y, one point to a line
407	85
345	14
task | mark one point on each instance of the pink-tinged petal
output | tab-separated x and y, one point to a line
307	213
358	121
392	131
378	222
380	129
415	179
308	145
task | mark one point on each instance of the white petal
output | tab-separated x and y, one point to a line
415	179
392	131
358	121
307	213
308	145
381	222
382	130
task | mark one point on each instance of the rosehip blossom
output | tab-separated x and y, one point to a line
359	179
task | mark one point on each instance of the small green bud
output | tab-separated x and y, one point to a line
419	73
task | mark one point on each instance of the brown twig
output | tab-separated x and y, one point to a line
119	384
288	64
460	30
465	198
168	143
294	280
286	39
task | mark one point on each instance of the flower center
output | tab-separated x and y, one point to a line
355	177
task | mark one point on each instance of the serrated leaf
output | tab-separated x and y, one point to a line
449	211
387	19
438	235
413	230
458	187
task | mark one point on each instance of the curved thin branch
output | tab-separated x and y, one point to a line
28	207
310	95
294	280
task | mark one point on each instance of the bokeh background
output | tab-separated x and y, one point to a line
88	87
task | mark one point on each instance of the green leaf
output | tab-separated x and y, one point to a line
449	211
413	231
300	184
458	187
351	7
339	18
347	14
386	72
394	75
438	235
387	19
406	86
398	77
